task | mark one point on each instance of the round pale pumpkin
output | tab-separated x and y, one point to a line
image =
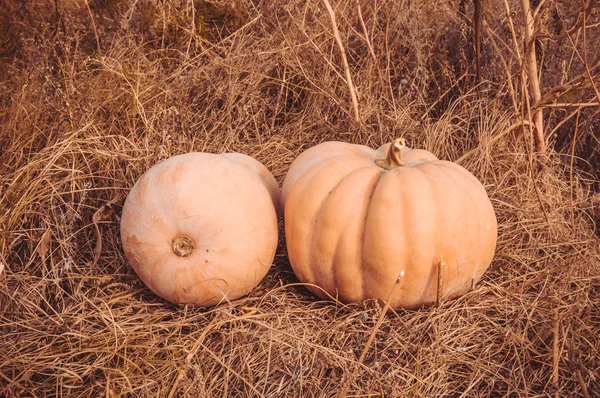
199	228
356	218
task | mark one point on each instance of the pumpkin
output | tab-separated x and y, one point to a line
200	228
356	218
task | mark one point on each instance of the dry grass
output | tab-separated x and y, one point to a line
86	108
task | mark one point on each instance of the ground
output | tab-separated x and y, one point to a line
94	92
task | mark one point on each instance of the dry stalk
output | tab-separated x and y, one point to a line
513	95
365	32
536	117
477	23
531	69
571	166
386	307
584	389
94	27
585	56
338	39
555	352
440	284
568	105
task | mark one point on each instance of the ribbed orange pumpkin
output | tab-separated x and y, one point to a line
355	218
198	228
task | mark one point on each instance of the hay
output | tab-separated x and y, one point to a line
85	111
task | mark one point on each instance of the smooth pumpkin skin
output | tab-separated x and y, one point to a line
224	205
353	226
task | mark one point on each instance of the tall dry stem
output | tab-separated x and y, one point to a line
536	116
338	39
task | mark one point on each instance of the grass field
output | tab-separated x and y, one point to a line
94	92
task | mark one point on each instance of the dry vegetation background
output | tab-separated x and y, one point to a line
92	93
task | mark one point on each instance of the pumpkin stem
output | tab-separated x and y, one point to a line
394	155
182	246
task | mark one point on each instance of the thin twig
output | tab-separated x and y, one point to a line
538	8
565	119
365	32
441	97
511	26
93	26
513	126
374	332
511	87
477	23
338	39
576	26
585	63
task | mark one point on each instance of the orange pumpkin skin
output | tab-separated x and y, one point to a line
355	218
199	228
